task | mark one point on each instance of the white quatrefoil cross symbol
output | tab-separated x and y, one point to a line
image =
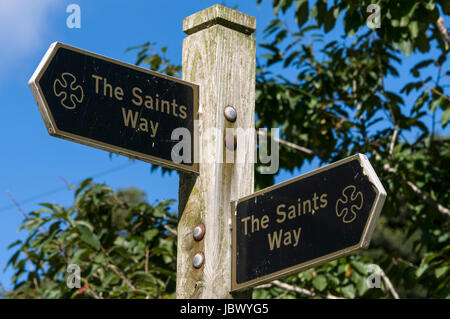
349	204
67	90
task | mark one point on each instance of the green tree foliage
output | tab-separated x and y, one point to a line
337	103
125	247
324	78
156	61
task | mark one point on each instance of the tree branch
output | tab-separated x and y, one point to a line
146	259
394	139
117	271
418	191
16	203
436	91
441	70
167	227
296	289
388	284
442	28
395	260
69	186
170	229
288	144
89	291
121	275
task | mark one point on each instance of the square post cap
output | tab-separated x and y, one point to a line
218	14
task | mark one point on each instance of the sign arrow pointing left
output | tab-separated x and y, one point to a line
118	107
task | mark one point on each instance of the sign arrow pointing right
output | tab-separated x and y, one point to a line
311	219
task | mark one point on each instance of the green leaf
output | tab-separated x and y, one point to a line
138	47
329	22
361	267
445	117
362	286
159	212
404	21
421	65
414	29
291	57
430	5
406	47
280	36
272	27
320	282
76	257
17	242
88	236
83	223
395	23
348	291
277	6
13	259
307	275
150	234
83	185
441	271
302	12
421	270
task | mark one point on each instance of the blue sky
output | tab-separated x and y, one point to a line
33	165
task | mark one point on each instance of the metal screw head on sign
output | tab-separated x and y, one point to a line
230	113
199	232
198	261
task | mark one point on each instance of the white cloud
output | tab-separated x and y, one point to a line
23	24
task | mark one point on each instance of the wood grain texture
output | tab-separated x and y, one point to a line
222	61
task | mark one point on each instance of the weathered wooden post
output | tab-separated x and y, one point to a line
218	55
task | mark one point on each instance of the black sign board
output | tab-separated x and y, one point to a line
306	221
118	107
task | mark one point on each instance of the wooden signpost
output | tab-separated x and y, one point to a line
219	55
229	238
